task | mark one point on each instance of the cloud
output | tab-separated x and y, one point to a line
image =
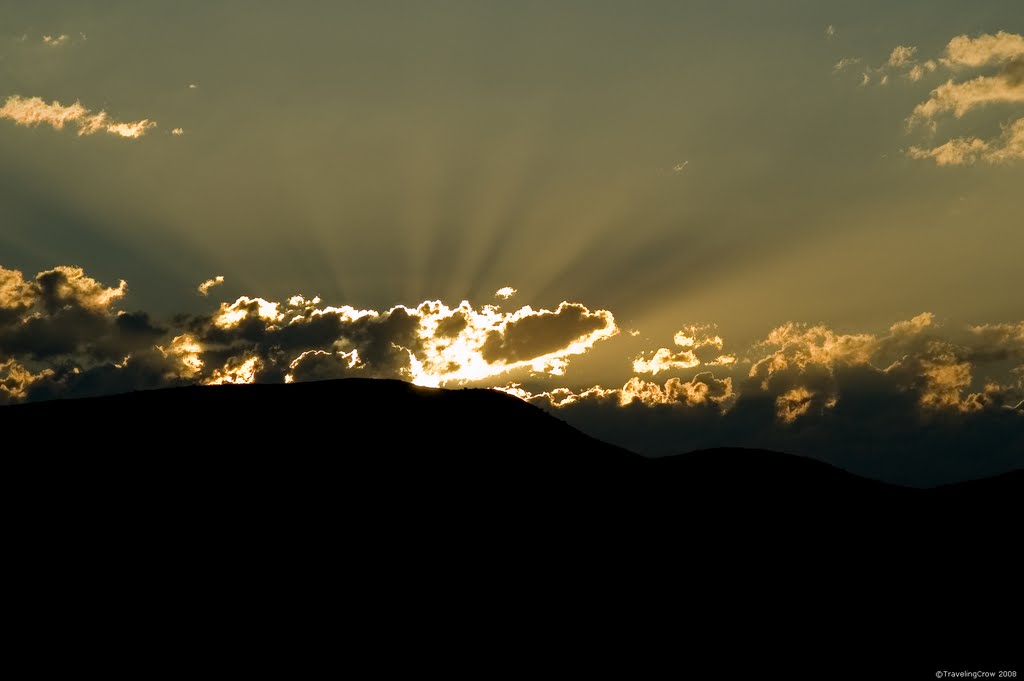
703	389
901	61
204	288
960	98
58	326
15	380
844	63
33	111
919	71
967	151
431	344
321	365
901	55
505	292
984	50
64	287
55	40
63	320
798	367
861	399
914	404
691	339
830	31
1001	335
177	132
16	295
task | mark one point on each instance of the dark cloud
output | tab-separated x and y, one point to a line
529	335
318	365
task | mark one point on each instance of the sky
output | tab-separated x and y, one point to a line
799	205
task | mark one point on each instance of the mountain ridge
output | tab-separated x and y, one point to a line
466	425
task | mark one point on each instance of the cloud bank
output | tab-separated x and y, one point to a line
863	400
916	404
61	334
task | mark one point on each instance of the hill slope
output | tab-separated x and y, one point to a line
390	435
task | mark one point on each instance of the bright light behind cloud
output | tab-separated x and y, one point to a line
431	344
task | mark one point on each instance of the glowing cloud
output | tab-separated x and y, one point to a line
505	292
704	389
64	285
793	404
184	353
55	40
967	151
15	292
15	379
61	334
901	55
236	370
919	71
204	288
960	98
984	50
801	368
690	339
33	111
431	344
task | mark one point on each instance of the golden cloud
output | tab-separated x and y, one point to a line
960	98
965	151
702	389
901	55
61	334
204	287
15	292
792	404
690	339
984	50
799	367
33	111
431	344
15	379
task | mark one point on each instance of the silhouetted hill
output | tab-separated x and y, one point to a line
390	508
416	446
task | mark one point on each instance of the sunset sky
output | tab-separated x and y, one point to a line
810	206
